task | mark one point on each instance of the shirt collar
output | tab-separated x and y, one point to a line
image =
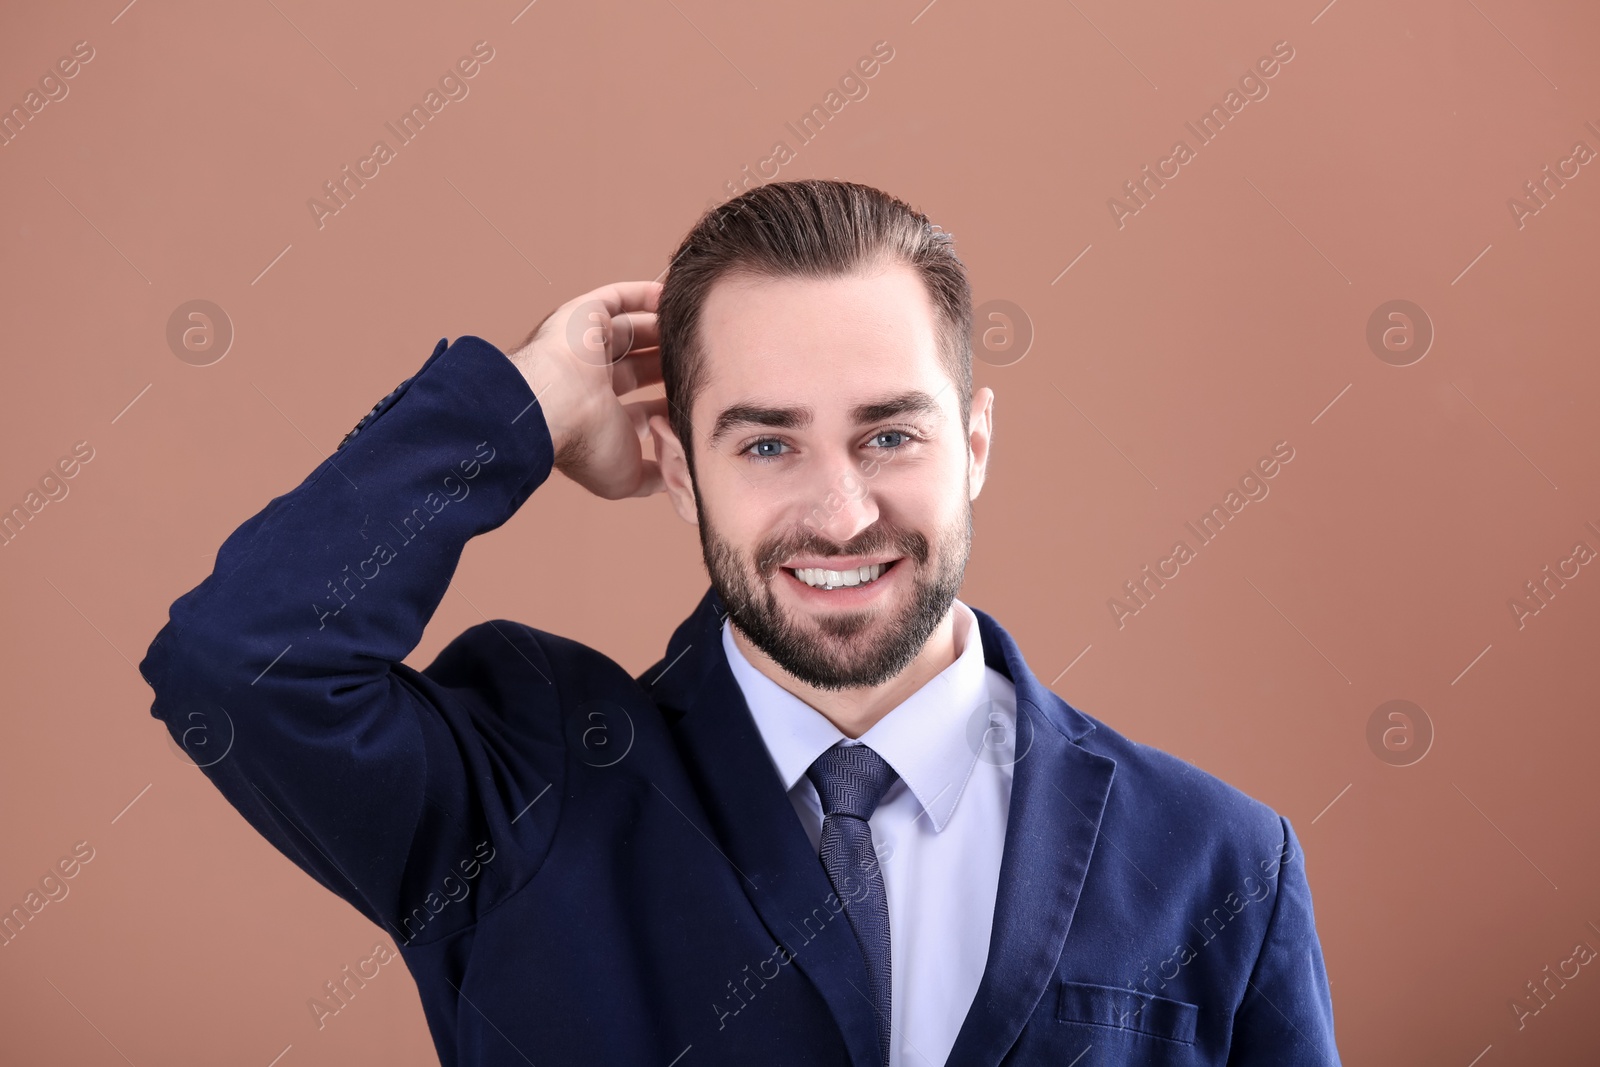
925	738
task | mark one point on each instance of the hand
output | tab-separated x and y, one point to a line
579	362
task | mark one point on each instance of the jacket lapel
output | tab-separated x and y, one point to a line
754	824
1058	795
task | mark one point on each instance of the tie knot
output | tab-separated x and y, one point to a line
851	779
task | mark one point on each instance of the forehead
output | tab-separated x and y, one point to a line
827	342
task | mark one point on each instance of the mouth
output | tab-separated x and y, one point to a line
852	585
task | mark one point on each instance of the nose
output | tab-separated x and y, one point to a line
841	502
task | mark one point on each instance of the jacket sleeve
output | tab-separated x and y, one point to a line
1286	1016
417	796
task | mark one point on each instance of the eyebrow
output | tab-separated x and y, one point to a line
911	402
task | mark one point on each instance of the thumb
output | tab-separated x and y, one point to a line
650	480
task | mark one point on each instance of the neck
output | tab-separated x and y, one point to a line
854	711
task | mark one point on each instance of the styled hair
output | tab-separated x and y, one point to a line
813	228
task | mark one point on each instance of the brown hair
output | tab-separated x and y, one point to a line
813	228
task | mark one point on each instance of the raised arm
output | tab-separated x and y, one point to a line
281	673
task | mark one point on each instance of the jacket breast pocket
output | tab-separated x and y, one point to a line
1127	1016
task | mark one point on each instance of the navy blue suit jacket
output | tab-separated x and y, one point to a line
580	866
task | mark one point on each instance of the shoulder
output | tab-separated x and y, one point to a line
1179	807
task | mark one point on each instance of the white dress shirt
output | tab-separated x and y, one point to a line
939	830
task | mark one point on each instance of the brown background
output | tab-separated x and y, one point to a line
1227	315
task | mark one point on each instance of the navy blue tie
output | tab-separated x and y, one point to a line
851	779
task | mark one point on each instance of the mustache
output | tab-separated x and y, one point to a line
874	540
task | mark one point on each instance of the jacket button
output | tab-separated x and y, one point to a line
379	406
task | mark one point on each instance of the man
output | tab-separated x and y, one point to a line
584	867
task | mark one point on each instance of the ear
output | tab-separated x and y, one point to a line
674	469
980	431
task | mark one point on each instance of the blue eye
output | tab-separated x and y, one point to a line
768	449
765	450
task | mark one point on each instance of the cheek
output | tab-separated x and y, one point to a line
740	515
925	495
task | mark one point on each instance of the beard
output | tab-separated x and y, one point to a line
843	649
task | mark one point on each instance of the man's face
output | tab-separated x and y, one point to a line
828	440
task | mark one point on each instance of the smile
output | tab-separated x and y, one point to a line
818	578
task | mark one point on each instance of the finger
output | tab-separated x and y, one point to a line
640	329
632	331
637	371
619	297
640	411
650	481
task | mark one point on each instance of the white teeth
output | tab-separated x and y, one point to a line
819	578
